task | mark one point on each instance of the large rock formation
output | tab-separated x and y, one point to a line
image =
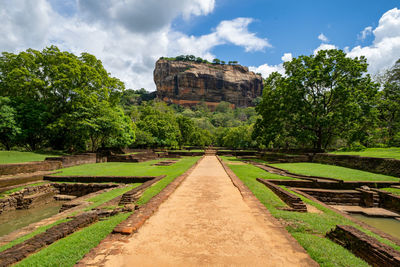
188	83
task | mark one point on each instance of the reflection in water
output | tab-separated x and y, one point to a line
387	225
16	219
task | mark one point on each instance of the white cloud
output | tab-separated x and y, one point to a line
364	33
266	69
287	57
236	32
324	47
323	38
385	49
128	36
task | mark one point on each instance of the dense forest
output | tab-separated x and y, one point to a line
57	100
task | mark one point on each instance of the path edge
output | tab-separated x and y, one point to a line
138	218
263	213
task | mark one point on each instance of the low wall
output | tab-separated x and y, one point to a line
346	185
73	160
30	246
27	167
237	153
284	158
5	183
100	179
377	165
80	189
132	195
367	248
140	157
389	201
290	199
185	153
22	199
335	197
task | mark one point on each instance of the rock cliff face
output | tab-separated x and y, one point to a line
188	83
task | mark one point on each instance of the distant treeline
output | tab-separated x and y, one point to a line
192	58
55	99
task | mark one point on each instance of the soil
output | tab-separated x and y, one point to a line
207	222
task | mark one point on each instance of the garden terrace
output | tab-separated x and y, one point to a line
108	197
309	228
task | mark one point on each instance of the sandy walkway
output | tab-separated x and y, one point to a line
206	222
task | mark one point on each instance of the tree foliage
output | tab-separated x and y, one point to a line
322	97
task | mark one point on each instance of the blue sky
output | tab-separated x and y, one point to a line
130	35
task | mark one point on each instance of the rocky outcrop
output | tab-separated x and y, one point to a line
188	83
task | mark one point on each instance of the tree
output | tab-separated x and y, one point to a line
389	106
322	97
48	87
216	61
8	125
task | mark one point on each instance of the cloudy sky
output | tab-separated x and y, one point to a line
130	35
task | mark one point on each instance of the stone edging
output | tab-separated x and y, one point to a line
99	179
132	195
362	224
293	201
254	204
366	247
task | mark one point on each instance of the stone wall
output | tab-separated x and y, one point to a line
27	167
290	199
73	160
346	185
376	165
80	189
284	158
335	197
389	201
24	198
366	247
99	179
140	157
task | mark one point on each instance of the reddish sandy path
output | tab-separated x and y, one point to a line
206	222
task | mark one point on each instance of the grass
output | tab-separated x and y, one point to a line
107	196
331	171
390	152
16	189
69	250
18	157
253	170
309	229
395	191
125	169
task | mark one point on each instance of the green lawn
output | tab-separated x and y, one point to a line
331	171
127	169
18	157
395	191
253	170
309	229
390	152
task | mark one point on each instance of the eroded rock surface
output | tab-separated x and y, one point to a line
188	83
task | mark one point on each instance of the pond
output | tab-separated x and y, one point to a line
17	219
388	225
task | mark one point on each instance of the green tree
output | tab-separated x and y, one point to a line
389	106
321	98
8	125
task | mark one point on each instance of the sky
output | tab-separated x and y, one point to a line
128	36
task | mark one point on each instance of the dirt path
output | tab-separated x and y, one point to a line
206	222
